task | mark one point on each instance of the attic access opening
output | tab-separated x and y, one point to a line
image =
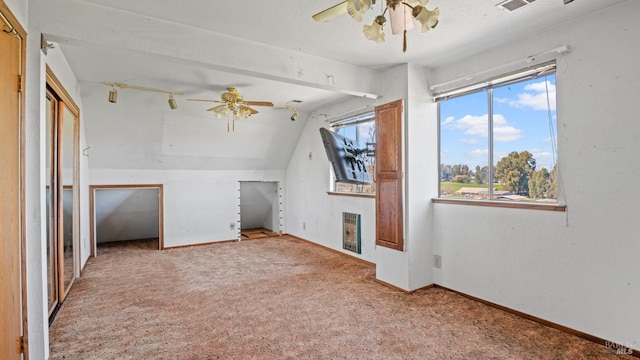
125	213
260	209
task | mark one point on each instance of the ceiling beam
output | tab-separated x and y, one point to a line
85	24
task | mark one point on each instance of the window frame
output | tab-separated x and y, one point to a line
535	72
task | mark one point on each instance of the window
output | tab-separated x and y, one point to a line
362	130
509	123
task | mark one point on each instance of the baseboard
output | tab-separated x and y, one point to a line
611	346
403	290
332	250
199	244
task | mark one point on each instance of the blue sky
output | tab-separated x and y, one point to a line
522	120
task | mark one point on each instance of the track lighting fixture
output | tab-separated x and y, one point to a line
113	94
172	102
294	117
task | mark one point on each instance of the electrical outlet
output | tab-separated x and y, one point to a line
437	261
232	226
304	225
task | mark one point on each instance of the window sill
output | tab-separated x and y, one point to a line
502	204
361	195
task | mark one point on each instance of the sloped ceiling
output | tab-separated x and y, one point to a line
271	51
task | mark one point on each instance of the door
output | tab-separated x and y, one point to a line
62	203
389	193
11	192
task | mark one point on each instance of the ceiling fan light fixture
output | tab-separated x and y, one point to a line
428	19
113	96
401	15
356	8
172	102
244	112
400	19
374	32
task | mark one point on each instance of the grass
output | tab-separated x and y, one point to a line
452	187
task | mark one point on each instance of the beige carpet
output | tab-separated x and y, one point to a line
279	298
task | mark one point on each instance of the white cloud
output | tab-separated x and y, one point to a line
535	97
479	126
473	125
502	131
448	121
479	153
469	141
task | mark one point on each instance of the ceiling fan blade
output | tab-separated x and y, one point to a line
205	100
259	103
248	110
330	13
215	108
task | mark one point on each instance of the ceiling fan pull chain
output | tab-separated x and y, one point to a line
404	42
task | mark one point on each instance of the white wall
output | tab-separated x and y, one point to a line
19	10
312	213
38	326
579	268
126	214
308	181
58	64
35	212
199	205
259	205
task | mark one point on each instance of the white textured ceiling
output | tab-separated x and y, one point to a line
271	50
465	26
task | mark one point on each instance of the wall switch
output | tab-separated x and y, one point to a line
437	261
304	225
232	226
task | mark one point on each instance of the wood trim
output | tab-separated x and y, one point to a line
126	186
390	175
201	244
61	92
360	195
502	204
430	286
92	210
64	101
565	329
21	34
333	250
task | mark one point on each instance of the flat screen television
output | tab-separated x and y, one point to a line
345	157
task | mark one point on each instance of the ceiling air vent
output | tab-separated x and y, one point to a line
511	5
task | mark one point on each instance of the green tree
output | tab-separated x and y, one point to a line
540	185
514	171
553	192
477	176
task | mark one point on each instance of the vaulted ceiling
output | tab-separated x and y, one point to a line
272	51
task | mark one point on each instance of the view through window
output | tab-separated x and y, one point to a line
510	124
362	130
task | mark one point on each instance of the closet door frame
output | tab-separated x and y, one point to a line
65	101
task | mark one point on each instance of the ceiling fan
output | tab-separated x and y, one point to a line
232	105
401	15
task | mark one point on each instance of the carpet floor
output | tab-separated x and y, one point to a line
280	298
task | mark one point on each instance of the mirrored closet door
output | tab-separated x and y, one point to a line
61	193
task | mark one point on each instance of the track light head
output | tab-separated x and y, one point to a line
113	96
172	102
295	115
